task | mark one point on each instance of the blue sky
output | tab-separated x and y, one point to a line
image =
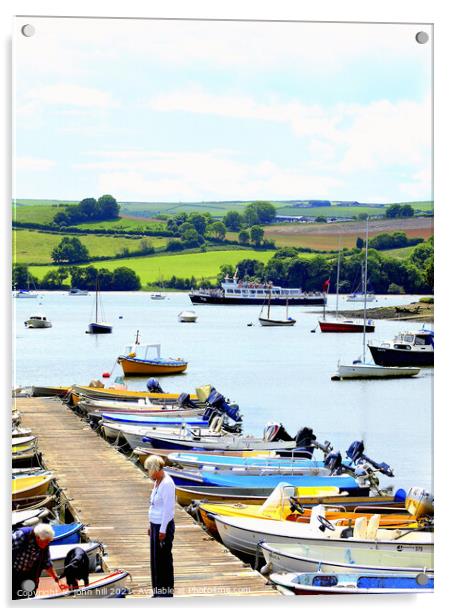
190	111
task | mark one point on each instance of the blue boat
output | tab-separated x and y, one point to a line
66	533
233	480
148	420
199	460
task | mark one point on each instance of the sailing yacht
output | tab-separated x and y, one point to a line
98	327
360	369
360	296
339	323
26	293
267	321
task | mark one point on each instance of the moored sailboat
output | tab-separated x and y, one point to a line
267	321
359	369
98	327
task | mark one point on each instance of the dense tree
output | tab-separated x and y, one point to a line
88	209
199	222
259	212
396	210
244	236
108	207
70	250
225	270
359	243
125	279
191	237
20	276
175	245
233	221
217	229
250	268
84	277
256	235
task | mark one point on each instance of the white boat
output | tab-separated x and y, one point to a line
352	584
360	297
283	557
99	327
158	295
28	517
38	321
187	316
267	321
243	535
76	292
363	295
360	369
58	553
111	584
95	408
24	294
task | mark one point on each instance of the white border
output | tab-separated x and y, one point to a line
413	11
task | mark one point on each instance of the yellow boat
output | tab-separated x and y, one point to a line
34	485
23	448
137	361
120	394
272	509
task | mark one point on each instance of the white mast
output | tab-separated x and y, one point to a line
365	293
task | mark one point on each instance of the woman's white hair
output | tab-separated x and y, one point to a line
44	531
154	463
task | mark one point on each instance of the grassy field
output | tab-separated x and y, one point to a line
38	214
152	269
34	210
34	247
399	253
125	224
326	236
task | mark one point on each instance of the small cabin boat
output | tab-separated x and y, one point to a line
158	295
24	294
412	348
38	321
187	316
139	359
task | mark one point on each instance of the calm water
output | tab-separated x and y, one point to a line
280	374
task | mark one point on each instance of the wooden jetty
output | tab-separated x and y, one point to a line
110	495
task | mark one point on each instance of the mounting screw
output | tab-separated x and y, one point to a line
28	30
422	37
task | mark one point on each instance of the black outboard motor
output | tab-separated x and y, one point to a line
217	401
356	453
185	401
304	439
153	387
333	462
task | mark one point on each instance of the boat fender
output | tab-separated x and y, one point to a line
372	527
132	355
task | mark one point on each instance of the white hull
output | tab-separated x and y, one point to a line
299	557
58	554
187	317
373	371
275	322
37	324
360	298
244	534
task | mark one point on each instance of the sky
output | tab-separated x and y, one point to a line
171	110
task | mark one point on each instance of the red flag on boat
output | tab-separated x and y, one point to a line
326	285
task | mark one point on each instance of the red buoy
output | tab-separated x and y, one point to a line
106	375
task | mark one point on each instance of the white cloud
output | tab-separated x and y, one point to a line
71	95
28	163
419	183
174	176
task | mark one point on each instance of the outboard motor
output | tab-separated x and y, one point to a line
153	387
185	401
217	401
333	462
356	453
276	432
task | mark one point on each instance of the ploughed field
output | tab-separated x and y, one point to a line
325	236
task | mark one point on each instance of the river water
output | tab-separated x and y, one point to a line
274	374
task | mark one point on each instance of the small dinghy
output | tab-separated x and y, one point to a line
28	517
35	485
109	585
187	316
350	584
67	533
93	550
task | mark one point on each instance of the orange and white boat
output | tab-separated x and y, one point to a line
138	360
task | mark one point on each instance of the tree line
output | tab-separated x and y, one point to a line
385	274
88	210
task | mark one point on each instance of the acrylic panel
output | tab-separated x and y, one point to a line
223	256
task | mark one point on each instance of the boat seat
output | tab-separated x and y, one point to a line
372	526
360	528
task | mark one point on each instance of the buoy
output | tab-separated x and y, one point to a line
120	317
105	375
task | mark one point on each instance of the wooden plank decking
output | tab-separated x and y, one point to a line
110	495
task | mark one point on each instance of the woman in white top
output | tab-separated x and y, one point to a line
161	527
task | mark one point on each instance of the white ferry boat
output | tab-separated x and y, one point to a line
234	291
